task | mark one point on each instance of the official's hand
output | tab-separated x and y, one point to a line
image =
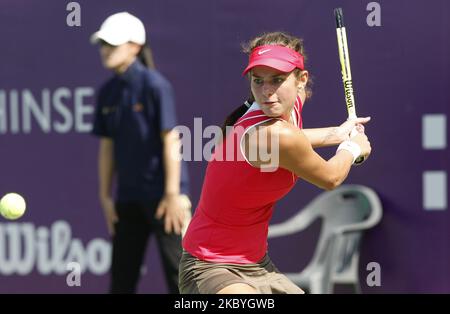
174	208
110	213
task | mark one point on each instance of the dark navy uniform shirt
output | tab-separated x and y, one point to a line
133	109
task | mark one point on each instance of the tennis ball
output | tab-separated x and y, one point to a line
12	206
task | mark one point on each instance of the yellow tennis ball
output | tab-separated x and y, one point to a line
12	206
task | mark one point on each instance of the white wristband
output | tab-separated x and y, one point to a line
352	147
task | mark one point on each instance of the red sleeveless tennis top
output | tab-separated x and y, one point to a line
231	221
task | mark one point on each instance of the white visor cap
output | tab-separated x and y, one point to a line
119	29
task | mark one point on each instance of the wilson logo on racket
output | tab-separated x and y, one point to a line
348	86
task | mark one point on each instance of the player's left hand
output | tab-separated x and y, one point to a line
345	129
176	210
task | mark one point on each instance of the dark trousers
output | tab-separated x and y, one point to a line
132	231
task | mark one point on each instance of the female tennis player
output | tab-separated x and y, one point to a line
225	246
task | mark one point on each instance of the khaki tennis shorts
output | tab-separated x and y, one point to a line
202	277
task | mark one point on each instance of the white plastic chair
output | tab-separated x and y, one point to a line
346	212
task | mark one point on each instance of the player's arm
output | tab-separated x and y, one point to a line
323	137
298	156
295	153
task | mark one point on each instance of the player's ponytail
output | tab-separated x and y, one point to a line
236	114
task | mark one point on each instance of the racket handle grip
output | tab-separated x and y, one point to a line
354	132
360	159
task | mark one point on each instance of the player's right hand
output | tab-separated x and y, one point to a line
110	213
363	141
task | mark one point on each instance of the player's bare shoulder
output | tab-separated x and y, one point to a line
277	127
286	133
268	132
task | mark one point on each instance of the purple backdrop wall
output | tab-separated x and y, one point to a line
401	72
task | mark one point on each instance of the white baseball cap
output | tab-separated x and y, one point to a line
119	29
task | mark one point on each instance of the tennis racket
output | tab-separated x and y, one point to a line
346	72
